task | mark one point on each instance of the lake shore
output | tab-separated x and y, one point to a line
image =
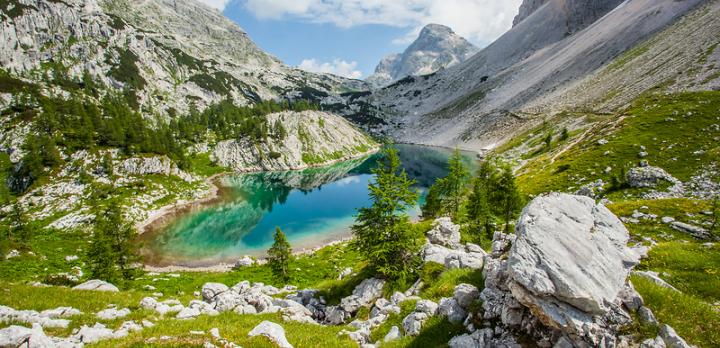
165	214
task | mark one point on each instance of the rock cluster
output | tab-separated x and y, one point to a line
444	247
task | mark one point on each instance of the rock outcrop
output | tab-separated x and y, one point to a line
313	138
563	278
444	247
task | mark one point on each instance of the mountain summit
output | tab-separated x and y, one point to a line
436	47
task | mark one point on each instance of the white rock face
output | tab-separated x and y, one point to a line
313	138
153	165
272	331
648	177
436	47
96	285
569	260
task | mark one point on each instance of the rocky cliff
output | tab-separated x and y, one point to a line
437	47
313	138
170	53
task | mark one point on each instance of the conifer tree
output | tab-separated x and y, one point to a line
383	232
279	256
507	200
113	252
478	210
456	182
20	230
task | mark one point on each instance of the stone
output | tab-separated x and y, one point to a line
392	335
695	231
667	219
426	306
93	334
345	272
210	290
60	312
13	253
449	307
96	285
445	233
335	315
245	261
641	177
274	332
671	338
188	313
646	316
112	313
655	278
464	341
297	313
435	253
71	258
363	295
656	342
570	259
466	294
20	336
413	322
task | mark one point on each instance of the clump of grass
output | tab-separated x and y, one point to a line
443	285
695	320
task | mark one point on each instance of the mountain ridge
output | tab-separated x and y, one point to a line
436	47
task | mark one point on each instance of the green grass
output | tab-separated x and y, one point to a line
442	283
696	321
644	124
201	164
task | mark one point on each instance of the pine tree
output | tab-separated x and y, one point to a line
507	198
113	252
456	182
478	210
20	230
279	256
433	200
383	232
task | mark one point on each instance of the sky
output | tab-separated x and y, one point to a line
349	37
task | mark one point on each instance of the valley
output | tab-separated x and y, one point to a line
168	183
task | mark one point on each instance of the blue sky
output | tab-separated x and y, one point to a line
349	37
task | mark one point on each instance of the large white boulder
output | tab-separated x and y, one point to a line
570	259
272	331
96	285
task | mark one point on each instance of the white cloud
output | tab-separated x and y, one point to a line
480	21
337	67
218	4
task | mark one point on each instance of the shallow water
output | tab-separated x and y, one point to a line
311	206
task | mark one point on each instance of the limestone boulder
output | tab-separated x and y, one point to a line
570	259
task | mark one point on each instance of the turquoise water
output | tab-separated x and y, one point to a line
311	206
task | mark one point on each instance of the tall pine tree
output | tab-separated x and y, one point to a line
383	232
507	200
279	256
478	209
113	253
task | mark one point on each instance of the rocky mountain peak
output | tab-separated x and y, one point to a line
436	47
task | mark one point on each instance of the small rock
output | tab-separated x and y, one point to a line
112	314
272	331
671	338
646	316
71	258
96	285
392	335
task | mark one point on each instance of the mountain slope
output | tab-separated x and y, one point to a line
170	53
437	47
477	103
